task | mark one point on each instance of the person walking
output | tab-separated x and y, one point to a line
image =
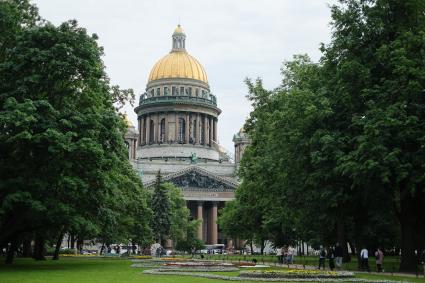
331	258
290	256
338	256
279	255
322	257
364	259
285	254
379	255
423	260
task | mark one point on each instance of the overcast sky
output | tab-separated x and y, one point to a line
232	40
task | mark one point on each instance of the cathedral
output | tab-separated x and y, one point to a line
177	133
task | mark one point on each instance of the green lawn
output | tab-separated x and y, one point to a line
96	270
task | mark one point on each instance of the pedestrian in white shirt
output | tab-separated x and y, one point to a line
364	259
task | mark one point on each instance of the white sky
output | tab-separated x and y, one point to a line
232	40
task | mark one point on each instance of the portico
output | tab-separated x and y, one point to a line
205	194
207	213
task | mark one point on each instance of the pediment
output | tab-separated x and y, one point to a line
197	179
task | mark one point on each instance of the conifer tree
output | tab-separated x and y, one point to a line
161	207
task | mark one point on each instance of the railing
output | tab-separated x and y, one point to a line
176	98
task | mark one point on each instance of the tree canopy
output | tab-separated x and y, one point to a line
337	148
64	166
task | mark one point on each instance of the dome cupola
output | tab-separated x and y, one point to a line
178	115
179	39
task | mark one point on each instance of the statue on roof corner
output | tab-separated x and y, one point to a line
193	158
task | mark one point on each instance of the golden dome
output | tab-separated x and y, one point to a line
178	64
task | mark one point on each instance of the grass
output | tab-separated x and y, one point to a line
95	270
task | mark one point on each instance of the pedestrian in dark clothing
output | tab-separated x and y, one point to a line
338	256
331	258
423	260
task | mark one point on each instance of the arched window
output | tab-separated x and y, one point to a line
151	132
162	139
182	128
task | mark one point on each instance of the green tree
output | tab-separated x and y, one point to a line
162	211
377	60
64	165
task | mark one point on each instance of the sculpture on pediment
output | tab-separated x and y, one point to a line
196	181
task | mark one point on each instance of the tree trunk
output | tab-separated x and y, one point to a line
72	241
353	248
58	244
408	259
262	246
80	245
340	230
26	247
133	247
39	248
102	248
10	253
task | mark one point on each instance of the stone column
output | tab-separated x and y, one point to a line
177	127
134	149
139	126
214	228
166	128
205	130
200	216
197	126
186	128
158	128
215	130
148	128
142	132
211	138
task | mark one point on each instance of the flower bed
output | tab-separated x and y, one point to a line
244	263
210	268
237	278
296	273
77	255
174	259
198	264
140	257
